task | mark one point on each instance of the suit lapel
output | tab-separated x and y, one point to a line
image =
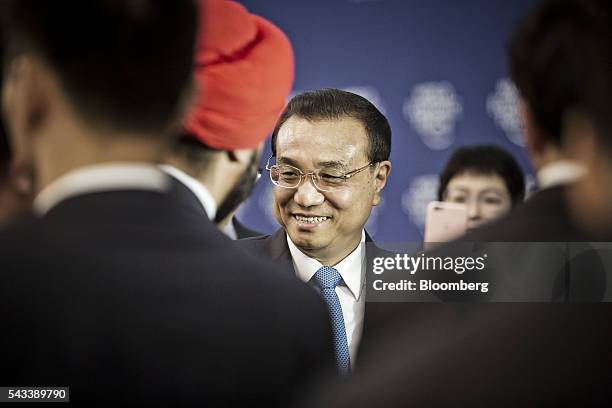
373	312
277	249
379	316
375	315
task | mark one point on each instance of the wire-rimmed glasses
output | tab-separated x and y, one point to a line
287	176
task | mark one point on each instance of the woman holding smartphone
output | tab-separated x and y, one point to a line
486	179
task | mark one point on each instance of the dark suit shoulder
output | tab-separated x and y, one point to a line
144	289
242	231
274	247
544	217
252	240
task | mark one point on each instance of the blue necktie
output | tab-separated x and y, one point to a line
327	278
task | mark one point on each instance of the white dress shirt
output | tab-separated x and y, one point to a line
559	173
100	177
198	189
229	230
351	291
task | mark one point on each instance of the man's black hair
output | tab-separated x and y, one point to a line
125	63
560	59
486	160
333	104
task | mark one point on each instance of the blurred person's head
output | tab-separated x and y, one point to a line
556	62
560	61
15	196
244	72
93	81
346	142
486	179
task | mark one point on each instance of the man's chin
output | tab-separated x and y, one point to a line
306	240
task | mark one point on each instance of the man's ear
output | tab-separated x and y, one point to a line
21	179
579	135
26	96
534	140
381	175
276	212
25	103
589	199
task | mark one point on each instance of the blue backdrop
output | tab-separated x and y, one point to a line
437	69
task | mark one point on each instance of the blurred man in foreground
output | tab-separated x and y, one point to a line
244	71
558	64
118	287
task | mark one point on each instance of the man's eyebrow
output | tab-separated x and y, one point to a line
321	164
331	163
496	190
287	160
459	188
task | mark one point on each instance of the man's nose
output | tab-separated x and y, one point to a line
306	195
473	208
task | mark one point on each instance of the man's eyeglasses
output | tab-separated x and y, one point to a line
286	176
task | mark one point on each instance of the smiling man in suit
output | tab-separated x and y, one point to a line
329	165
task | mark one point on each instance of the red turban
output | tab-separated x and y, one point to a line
244	72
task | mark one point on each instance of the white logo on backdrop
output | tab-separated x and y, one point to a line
370	93
433	109
502	106
421	191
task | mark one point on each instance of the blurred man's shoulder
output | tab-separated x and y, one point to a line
21	233
265	244
259	239
544	217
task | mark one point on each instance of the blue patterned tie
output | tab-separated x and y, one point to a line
327	278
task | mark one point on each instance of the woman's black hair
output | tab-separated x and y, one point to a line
489	160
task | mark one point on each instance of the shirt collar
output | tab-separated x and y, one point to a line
230	230
198	189
100	177
350	268
559	173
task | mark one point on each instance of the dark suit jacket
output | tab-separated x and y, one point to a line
242	231
581	274
544	217
135	297
488	355
494	354
378	316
